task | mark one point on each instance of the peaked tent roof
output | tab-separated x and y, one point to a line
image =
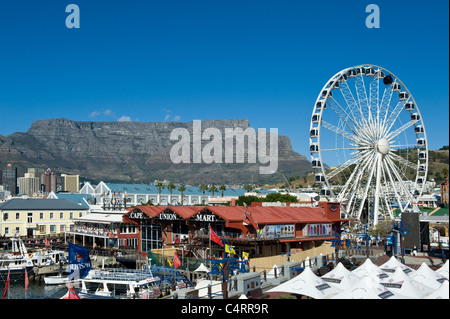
340	277
369	268
426	276
443	271
367	288
402	284
392	264
441	292
308	284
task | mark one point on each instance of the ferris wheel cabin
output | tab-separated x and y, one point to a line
315	163
409	106
403	96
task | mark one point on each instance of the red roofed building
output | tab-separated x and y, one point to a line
260	230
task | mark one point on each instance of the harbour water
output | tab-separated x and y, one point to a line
36	289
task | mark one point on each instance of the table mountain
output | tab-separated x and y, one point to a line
137	152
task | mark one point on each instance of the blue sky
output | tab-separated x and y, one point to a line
183	60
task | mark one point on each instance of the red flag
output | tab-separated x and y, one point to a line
47	243
6	286
71	293
26	280
176	261
213	236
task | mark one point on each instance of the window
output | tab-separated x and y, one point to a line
6	230
71	215
17	216
41	215
5	216
62	228
80	214
42	229
53	228
30	218
51	215
61	215
17	230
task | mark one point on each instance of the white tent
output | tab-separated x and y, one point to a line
402	284
440	293
202	268
367	287
340	277
308	284
426	276
369	268
443	271
392	264
243	297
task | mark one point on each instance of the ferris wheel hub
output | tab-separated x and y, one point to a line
383	146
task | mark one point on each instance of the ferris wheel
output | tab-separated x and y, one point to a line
368	144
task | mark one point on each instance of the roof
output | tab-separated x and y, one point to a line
40	204
102	218
79	199
261	215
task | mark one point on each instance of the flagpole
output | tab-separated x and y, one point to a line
209	228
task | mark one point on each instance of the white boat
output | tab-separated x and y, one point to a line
20	258
56	280
120	283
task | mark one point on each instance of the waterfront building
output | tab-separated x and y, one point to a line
70	183
137	194
444	192
31	217
260	231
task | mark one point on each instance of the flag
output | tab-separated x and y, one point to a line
6	286
176	260
79	261
47	243
213	236
229	249
26	280
71	293
245	255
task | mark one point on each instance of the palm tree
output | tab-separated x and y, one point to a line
160	186
212	189
222	188
170	187
203	188
181	189
248	188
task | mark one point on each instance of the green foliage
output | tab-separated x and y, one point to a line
272	197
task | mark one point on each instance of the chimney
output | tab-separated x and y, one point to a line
233	202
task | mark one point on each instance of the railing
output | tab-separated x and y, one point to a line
121	274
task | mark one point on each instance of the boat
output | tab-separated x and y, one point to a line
59	279
20	258
120	284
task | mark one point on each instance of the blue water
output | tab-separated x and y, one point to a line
36	289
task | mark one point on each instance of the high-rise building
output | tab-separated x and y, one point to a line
71	183
9	179
48	181
29	184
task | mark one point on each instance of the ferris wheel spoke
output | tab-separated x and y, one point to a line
339	131
374	92
400	181
394	187
366	189
414	146
343	115
387	125
385	199
362	98
386	101
400	159
352	104
400	129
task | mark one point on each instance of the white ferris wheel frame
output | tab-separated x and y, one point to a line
382	147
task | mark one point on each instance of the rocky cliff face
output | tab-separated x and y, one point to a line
134	152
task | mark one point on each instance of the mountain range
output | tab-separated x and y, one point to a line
137	152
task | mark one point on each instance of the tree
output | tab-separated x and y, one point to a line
222	188
160	186
212	189
445	172
181	189
203	188
248	188
170	187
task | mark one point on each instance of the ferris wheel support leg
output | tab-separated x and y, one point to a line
377	189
